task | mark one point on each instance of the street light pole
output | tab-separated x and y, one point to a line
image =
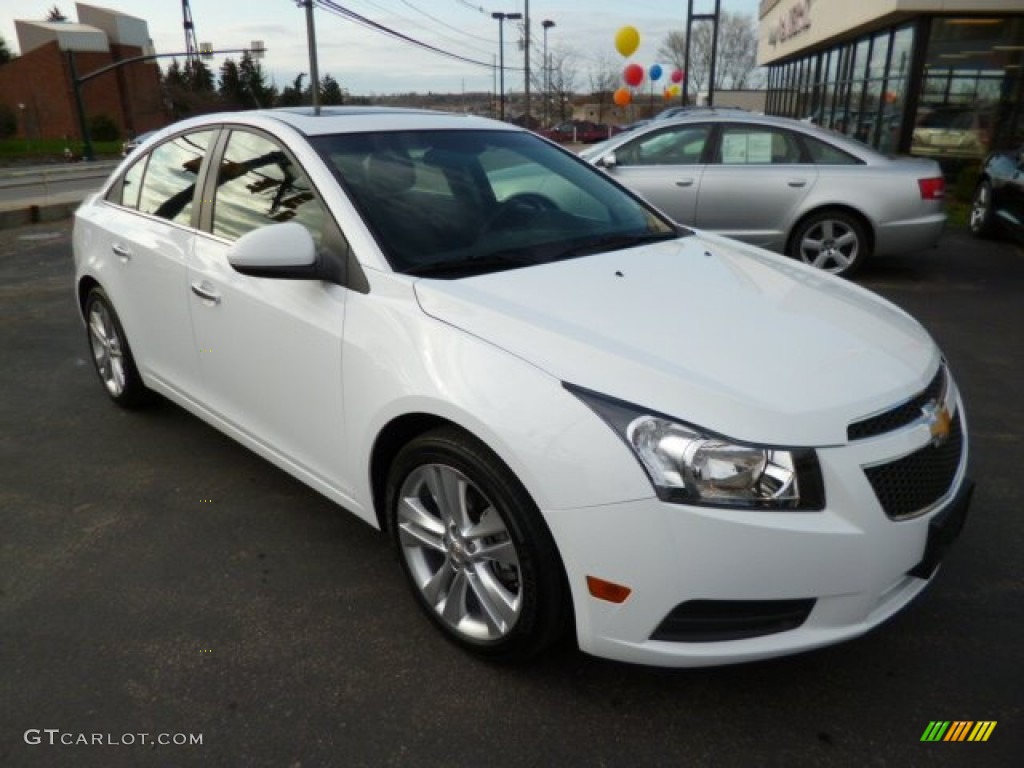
76	81
526	60
501	55
547	24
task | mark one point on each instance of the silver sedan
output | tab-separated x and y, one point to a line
784	185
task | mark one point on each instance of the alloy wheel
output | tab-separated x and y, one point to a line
459	553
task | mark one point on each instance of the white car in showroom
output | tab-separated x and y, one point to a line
569	413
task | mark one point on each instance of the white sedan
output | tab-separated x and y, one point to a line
569	413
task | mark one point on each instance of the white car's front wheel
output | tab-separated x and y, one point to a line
478	556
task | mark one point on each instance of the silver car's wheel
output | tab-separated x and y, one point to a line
479	557
832	241
111	353
981	211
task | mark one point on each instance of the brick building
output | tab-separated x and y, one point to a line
38	84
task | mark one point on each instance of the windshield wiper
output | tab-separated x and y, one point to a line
618	242
492	262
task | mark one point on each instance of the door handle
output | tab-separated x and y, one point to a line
797	182
207	294
684	183
121	251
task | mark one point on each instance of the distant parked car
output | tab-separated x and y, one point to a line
999	197
961	132
782	184
580	131
132	144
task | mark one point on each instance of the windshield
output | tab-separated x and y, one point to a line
451	203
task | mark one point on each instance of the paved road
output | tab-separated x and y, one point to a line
157	578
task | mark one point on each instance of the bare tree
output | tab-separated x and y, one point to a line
604	78
564	78
54	14
737	52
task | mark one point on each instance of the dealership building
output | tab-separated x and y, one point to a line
935	78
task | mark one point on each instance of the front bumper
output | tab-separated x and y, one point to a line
853	566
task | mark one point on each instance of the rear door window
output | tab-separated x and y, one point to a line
169	186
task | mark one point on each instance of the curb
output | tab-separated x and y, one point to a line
35	214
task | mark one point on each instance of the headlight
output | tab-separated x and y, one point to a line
690	465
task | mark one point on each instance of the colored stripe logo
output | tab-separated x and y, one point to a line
958	730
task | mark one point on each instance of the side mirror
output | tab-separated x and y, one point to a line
608	161
283	251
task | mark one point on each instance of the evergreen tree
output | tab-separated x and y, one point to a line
330	92
176	90
293	95
230	87
198	76
5	52
254	81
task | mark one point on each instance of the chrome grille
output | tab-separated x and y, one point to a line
900	416
911	485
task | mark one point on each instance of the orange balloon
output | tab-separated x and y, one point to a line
622	97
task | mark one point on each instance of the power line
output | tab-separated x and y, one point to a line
346	13
472	7
445	24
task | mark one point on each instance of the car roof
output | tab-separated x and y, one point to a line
361	119
839	140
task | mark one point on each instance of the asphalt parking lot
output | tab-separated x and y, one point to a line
157	578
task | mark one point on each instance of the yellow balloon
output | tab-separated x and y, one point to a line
627	40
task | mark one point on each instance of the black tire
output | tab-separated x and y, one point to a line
982	222
485	569
831	240
111	355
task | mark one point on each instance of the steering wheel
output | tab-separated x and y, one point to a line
519	209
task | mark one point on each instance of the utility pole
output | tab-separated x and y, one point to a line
314	74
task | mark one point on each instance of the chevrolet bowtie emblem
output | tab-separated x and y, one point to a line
939	420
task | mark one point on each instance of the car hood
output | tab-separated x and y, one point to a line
727	337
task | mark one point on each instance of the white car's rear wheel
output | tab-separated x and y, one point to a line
111	354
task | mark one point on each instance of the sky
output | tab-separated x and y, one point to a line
366	62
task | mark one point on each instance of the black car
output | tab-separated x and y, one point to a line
999	197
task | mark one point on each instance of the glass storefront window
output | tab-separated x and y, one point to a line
971	96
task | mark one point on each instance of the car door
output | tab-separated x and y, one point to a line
148	229
269	349
754	185
665	167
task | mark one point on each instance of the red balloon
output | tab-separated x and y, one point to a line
677	76
633	74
